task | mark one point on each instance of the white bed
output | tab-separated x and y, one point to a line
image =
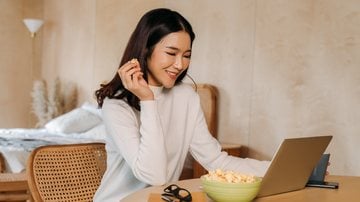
83	124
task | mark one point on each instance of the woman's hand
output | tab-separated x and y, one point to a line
133	80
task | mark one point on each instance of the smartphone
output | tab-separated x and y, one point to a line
323	184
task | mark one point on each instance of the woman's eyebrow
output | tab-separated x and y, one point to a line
177	49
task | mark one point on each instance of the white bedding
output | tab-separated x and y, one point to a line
16	144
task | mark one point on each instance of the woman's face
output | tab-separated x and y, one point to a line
170	57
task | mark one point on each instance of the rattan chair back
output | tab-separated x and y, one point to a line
66	172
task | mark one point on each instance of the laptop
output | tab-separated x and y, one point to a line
293	164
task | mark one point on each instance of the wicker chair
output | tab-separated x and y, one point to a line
66	172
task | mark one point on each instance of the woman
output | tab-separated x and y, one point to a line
153	119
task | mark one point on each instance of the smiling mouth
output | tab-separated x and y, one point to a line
172	75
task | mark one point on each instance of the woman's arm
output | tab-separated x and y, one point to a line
138	138
207	151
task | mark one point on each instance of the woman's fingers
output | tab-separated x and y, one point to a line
127	71
133	80
135	77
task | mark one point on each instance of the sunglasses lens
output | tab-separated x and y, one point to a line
178	192
183	193
171	188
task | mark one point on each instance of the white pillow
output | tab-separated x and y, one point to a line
97	133
91	108
76	121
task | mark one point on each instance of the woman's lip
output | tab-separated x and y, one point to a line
172	75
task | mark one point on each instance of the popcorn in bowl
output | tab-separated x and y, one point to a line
230	186
229	176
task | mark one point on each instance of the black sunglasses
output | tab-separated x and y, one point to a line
173	192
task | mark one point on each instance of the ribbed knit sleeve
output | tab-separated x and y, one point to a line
207	150
140	141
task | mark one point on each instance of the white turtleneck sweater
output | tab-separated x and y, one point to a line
150	147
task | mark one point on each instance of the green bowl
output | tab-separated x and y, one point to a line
230	192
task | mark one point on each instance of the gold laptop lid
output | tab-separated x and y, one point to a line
293	164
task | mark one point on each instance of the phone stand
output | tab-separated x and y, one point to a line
316	178
319	171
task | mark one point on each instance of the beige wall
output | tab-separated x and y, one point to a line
306	78
283	68
19	61
69	43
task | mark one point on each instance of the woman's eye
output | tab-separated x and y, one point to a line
172	54
187	56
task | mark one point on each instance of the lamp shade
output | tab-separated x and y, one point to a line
33	24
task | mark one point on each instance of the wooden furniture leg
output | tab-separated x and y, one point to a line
14	187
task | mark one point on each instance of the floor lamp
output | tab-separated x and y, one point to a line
33	26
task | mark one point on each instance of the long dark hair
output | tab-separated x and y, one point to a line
152	27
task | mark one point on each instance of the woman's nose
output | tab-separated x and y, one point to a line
179	63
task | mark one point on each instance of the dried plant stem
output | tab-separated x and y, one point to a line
51	101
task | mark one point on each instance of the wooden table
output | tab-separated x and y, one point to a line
349	190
